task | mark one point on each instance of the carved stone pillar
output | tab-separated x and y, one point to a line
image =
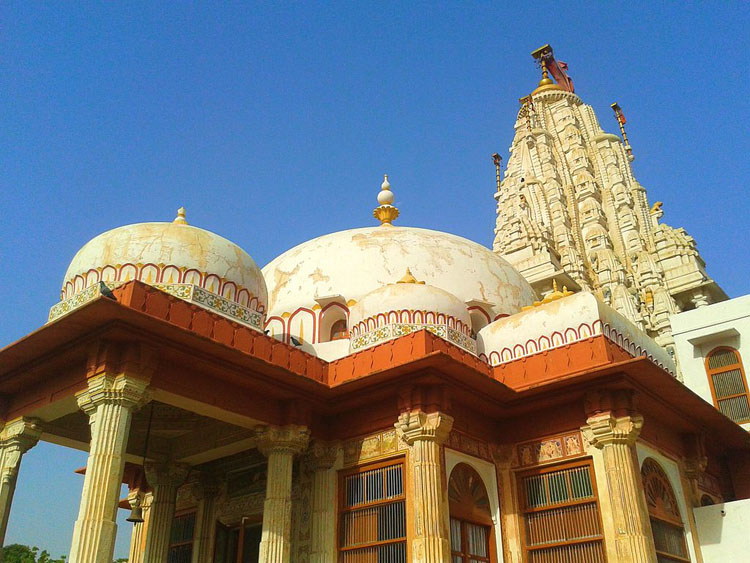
279	445
138	535
424	434
109	401
16	439
206	492
321	459
164	479
616	437
502	455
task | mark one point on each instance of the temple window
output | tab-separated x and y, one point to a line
728	383
338	330
181	539
666	523
561	514
470	516
372	515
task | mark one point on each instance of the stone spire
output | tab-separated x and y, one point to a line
569	209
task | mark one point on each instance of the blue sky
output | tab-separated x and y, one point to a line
273	123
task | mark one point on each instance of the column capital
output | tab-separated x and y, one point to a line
322	455
22	432
605	429
129	392
165	473
417	425
16	438
292	439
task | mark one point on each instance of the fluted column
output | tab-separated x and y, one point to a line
425	434
616	437
109	401
321	458
279	445
206	492
164	479
138	535
16	438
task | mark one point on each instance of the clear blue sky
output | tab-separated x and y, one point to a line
273	124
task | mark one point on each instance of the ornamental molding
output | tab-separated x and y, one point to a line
291	439
571	335
414	426
122	390
381	444
396	330
606	430
161	274
185	291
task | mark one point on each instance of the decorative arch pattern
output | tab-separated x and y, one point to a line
664	512
472	535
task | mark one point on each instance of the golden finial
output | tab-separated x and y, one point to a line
550	297
180	219
385	213
621	122
542	55
409	278
497	159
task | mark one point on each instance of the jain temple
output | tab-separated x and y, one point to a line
389	394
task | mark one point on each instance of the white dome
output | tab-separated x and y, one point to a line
400	308
165	254
355	262
398	297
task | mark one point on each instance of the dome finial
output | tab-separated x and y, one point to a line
180	219
385	213
409	278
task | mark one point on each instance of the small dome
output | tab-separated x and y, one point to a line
169	255
400	308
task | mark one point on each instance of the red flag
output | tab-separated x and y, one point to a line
559	71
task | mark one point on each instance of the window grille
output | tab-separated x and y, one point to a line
372	526
728	384
561	516
181	539
666	522
470	516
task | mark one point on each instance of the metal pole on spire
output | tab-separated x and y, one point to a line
621	122
498	160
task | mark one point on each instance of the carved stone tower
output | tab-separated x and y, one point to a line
570	210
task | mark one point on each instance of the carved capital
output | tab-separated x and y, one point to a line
605	429
120	389
290	439
166	473
322	455
16	438
417	425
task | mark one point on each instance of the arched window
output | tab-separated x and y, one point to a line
666	523
728	383
471	519
338	330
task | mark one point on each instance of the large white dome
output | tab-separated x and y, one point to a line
353	263
166	254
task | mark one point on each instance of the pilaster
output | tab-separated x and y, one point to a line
321	459
502	455
165	479
424	434
615	436
206	492
16	438
109	402
279	445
